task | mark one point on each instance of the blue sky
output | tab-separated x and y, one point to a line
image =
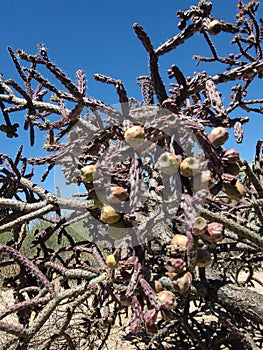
97	36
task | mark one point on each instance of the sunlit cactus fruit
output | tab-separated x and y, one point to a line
202	180
112	261
230	156
189	167
134	135
203	258
117	194
218	136
109	215
214	27
168	163
167	299
87	172
199	225
183	283
179	240
235	192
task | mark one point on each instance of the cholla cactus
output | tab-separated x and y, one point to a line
165	230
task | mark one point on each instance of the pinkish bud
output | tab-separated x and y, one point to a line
175	265
215	231
230	156
167	299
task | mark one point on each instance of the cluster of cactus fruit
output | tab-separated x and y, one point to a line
117	263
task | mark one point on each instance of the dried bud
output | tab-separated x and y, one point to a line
118	194
189	166
199	225
88	172
232	169
134	136
230	156
235	192
214	27
175	265
150	317
215	231
183	283
168	163
218	136
167	299
109	215
203	258
179	240
112	261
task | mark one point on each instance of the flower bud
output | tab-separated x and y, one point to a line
175	265
134	136
168	163
87	172
214	27
179	240
167	299
109	215
235	192
203	257
183	283
218	136
118	194
215	231
230	156
189	166
112	261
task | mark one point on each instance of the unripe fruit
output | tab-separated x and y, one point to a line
235	192
218	136
203	180
230	156
134	136
189	166
168	163
111	261
199	226
109	215
88	172
214	27
167	299
117	231
179	240
117	195
183	283
203	258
